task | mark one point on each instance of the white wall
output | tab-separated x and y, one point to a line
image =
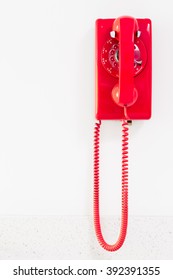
47	111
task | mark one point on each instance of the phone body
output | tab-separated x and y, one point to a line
115	73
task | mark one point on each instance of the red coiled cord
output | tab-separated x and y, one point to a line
124	217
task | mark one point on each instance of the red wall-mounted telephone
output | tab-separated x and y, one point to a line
123	92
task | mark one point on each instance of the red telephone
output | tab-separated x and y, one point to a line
123	92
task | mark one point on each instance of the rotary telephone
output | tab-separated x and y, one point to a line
123	92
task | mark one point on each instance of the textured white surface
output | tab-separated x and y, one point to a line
72	237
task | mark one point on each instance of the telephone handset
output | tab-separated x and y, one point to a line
123	92
124	30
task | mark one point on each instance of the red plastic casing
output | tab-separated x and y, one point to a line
123	77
